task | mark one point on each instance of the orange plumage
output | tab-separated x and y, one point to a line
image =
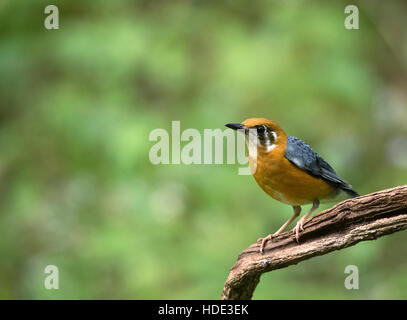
288	170
280	178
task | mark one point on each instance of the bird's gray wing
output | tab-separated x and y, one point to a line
302	155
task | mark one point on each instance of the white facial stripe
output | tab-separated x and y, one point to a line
274	135
267	141
271	147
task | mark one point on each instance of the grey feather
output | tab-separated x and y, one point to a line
302	155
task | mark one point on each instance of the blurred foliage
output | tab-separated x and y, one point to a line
77	105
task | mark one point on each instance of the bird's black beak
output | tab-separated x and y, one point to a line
235	126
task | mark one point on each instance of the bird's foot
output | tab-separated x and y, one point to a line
263	241
298	227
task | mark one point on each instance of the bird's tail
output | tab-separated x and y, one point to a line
352	193
341	193
346	187
349	190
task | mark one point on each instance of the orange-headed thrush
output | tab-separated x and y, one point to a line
288	170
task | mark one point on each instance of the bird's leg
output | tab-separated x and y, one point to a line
297	210
300	224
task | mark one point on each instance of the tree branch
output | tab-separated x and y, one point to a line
347	223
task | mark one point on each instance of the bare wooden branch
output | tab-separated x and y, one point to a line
347	223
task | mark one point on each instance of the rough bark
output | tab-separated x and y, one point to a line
347	223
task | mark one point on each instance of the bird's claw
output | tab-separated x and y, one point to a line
298	227
263	242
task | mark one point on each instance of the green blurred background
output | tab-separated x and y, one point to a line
77	106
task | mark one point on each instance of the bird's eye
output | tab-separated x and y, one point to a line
261	129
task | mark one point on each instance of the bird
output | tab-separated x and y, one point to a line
289	171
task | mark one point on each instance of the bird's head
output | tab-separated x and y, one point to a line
269	134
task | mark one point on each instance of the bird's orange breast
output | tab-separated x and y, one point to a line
286	182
